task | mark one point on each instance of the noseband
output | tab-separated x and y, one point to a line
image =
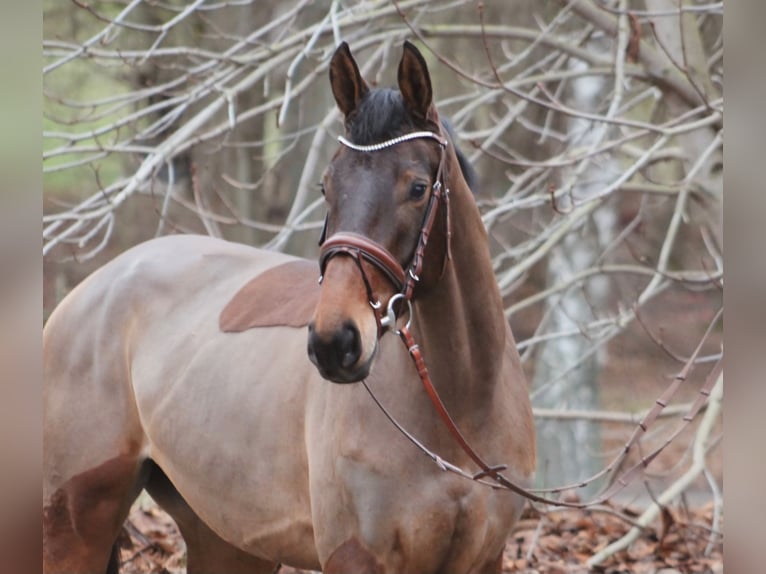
360	247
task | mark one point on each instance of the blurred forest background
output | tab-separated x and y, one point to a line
596	128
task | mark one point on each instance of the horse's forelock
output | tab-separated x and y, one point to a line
381	115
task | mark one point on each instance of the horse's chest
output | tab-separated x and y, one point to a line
443	524
479	526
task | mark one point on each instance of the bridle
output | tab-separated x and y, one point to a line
359	247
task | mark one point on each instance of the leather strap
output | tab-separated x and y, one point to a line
416	264
425	378
493	472
349	242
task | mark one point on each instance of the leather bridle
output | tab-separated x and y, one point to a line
359	247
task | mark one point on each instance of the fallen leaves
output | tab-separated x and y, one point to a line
564	540
150	542
557	542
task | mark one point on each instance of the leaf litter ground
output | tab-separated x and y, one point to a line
556	542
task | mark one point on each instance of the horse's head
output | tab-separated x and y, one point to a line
378	188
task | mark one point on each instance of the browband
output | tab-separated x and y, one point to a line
393	141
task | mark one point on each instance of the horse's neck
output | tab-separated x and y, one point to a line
462	317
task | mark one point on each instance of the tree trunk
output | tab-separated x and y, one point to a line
566	370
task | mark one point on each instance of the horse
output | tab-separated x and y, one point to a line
230	384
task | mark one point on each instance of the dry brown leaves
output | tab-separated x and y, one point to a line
558	542
150	542
561	542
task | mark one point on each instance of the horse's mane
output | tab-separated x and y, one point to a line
381	115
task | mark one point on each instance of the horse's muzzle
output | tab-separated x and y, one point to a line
337	355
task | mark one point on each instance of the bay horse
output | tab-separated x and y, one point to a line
182	367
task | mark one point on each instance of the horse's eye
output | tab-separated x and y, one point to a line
418	190
321	188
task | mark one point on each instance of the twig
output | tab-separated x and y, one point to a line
698	466
606	416
717	511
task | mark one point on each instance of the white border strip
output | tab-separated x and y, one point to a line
393	141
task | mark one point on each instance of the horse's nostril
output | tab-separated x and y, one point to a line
338	352
349	345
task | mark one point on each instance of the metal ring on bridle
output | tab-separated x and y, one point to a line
390	319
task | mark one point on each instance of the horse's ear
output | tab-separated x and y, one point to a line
415	84
347	83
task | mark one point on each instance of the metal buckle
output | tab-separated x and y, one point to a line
390	318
